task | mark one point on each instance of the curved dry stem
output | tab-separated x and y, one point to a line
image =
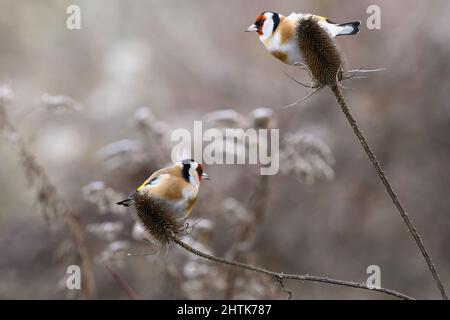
354	74
279	276
309	86
75	229
362	139
366	70
285	290
303	99
132	295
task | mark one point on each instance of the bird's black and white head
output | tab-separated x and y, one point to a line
192	171
265	24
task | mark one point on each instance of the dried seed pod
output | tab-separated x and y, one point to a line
157	218
320	52
262	118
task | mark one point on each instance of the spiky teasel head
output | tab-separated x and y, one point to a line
157	218
320	52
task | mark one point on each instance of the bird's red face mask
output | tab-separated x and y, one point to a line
201	174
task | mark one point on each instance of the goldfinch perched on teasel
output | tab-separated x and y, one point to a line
176	187
279	33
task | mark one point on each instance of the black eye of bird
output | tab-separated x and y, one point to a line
199	169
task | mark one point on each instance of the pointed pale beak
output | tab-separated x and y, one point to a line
205	176
252	28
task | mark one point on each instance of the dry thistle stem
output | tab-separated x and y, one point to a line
157	218
280	276
325	64
320	52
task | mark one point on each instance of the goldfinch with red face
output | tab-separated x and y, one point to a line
177	186
278	33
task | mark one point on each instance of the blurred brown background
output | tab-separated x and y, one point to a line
184	59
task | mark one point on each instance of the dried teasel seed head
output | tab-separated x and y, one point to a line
144	117
60	104
6	94
225	118
106	230
262	118
157	218
320	52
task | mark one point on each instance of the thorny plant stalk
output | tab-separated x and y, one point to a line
122	283
362	139
280	277
52	203
325	64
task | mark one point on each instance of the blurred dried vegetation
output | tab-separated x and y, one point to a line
95	109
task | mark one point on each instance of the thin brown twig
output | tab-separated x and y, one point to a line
285	290
279	276
88	288
362	139
310	94
122	283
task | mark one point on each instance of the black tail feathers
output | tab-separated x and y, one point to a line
351	28
126	203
